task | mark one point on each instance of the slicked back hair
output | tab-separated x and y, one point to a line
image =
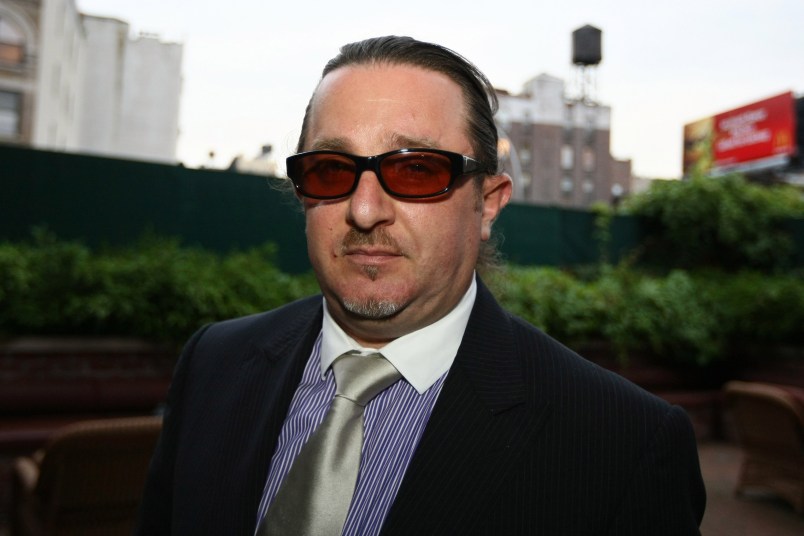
479	96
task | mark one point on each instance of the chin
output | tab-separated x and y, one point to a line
371	308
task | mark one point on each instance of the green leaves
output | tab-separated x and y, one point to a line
163	291
691	318
156	289
723	222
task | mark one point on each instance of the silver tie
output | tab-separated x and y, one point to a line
315	495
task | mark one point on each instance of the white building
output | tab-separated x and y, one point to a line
557	149
79	83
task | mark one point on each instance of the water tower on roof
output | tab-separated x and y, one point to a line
586	56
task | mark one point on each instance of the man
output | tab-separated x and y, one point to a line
494	427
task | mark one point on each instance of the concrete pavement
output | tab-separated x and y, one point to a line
749	515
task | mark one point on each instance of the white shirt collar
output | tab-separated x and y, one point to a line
421	357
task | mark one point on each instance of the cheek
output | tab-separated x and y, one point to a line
449	235
320	232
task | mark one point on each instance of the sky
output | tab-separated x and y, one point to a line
250	66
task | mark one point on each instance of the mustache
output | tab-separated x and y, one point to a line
379	236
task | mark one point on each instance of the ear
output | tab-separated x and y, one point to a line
497	191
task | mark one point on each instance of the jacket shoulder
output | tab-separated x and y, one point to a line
268	328
578	377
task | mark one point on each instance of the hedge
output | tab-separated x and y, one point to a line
725	222
161	291
155	289
683	317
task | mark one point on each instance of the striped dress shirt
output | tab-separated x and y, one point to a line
394	420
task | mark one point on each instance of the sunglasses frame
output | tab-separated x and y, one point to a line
460	166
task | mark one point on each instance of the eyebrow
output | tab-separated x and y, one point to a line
330	144
401	141
394	141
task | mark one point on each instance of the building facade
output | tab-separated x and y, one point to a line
79	83
557	149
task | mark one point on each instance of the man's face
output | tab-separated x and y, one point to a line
389	266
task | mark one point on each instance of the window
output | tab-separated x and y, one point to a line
524	157
12	43
567	185
567	157
10	112
588	159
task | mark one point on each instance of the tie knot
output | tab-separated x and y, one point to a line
360	378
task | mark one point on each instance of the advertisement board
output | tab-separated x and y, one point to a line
755	136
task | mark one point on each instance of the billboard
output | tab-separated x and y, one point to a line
756	136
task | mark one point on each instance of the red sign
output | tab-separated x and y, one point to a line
736	139
760	130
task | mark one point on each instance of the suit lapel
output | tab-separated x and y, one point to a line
278	361
479	425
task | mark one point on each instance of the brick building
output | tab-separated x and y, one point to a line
557	149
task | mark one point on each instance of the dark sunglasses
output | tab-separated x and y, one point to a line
408	173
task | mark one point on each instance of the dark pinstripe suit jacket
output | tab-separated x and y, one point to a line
525	438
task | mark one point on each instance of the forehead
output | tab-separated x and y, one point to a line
383	107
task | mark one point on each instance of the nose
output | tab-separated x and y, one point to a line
369	204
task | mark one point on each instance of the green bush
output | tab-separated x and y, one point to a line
162	291
724	222
156	289
661	316
553	300
684	318
753	309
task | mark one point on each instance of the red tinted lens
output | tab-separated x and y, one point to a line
416	173
325	175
